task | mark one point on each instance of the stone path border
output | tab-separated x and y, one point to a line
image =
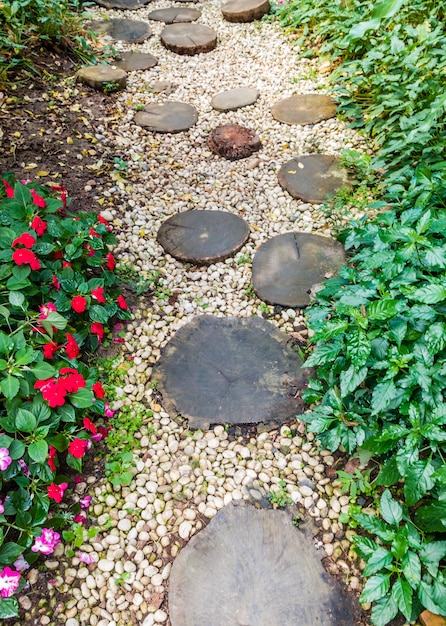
304	109
167	117
174	15
313	177
234	99
245	10
189	39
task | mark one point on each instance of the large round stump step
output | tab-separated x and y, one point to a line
103	77
188	39
230	370
233	141
122	4
286	268
131	61
203	236
167	117
174	15
233	99
313	177
252	567
304	109
131	31
244	10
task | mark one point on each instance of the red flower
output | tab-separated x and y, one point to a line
66	264
72	349
72	381
122	303
25	239
26	257
55	492
89	250
55	282
80	519
51	456
98	329
38	200
63	194
45	309
79	304
9	190
38	225
98	294
77	448
93	233
111	263
88	424
57	255
98	390
53	391
50	349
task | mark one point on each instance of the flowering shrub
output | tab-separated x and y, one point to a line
58	294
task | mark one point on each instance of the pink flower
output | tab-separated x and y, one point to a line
26	257
2	508
38	200
55	282
108	412
25	239
5	459
45	310
20	564
79	304
47	541
84	557
38	225
9	582
24	467
85	502
80	519
55	492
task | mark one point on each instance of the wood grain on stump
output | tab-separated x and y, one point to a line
103	77
304	109
131	31
189	39
233	141
313	177
233	99
244	10
203	236
174	15
288	267
122	4
167	117
230	370
130	61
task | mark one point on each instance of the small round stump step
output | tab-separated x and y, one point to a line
174	15
167	117
233	141
203	236
233	99
230	370
122	4
131	31
189	39
131	61
103	77
286	268
253	566
313	177
244	10
304	109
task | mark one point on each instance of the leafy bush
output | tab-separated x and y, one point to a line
58	294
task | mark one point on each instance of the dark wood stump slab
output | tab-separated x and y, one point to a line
287	268
230	370
103	77
252	567
233	141
131	31
174	15
203	236
244	10
167	117
313	177
304	109
122	4
131	61
233	99
188	39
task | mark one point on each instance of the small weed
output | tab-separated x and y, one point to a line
244	259
264	308
120	579
280	497
77	535
120	164
249	291
110	87
138	106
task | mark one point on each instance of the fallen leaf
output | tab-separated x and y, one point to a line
41	173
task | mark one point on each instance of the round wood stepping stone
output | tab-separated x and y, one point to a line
244	10
122	4
233	141
167	117
131	31
130	61
174	15
230	370
252	567
304	109
103	77
189	38
233	99
313	177
203	236
287	267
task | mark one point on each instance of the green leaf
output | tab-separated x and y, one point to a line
391	510
364	546
351	379
375	526
387	8
16	298
25	421
54	319
358	348
6	344
43	370
38	451
9	607
435	337
325	353
418	481
425	593
16	449
429	294
10	386
25	356
375	588
82	399
384	611
98	313
380	559
432	517
9	552
433	552
382	395
359	30
411	566
382	309
389	473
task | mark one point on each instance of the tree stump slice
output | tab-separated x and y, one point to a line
167	117
122	4
103	77
287	268
304	109
131	31
230	370
313	177
245	10
203	237
189	39
175	15
233	141
250	566
234	99
131	61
